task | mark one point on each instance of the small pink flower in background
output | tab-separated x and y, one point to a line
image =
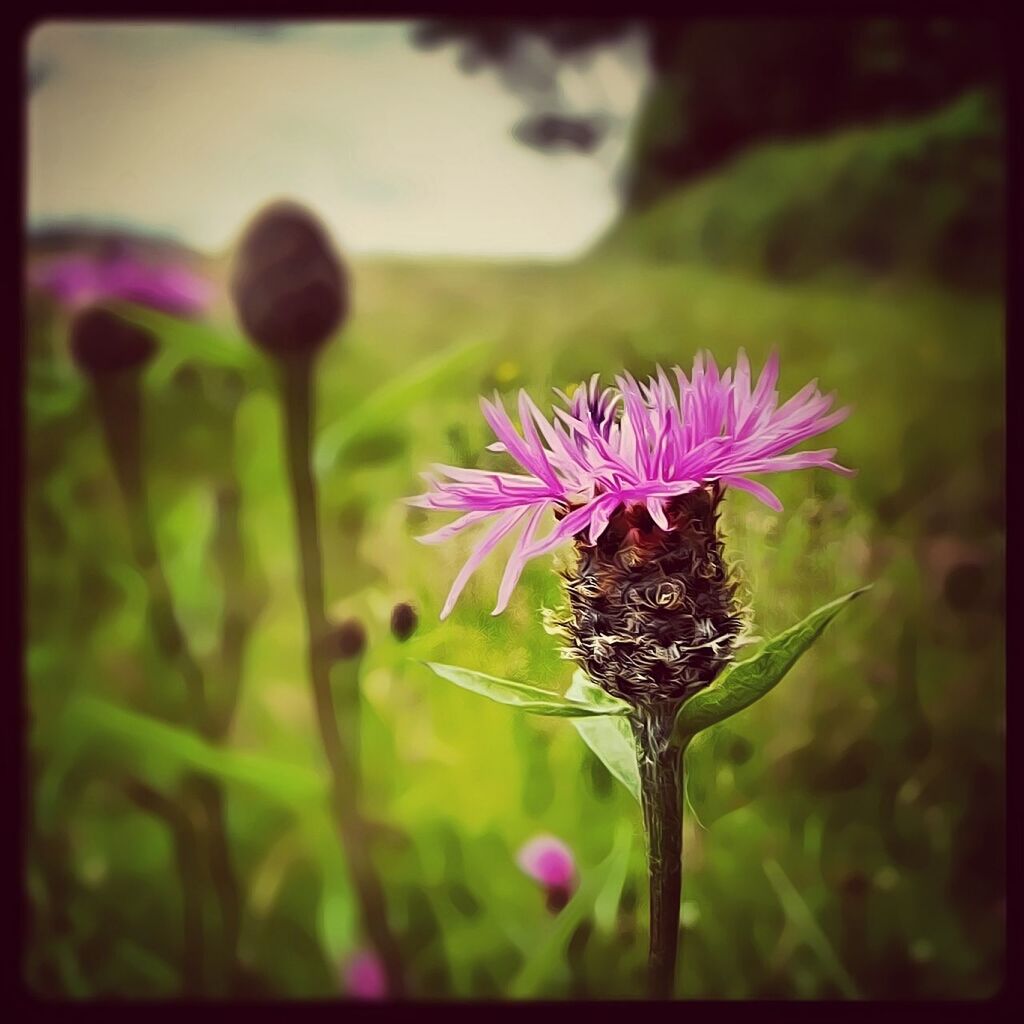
364	977
119	275
550	862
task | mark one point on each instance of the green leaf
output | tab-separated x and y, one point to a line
528	698
610	737
745	682
800	916
606	903
140	736
388	403
708	780
191	341
51	392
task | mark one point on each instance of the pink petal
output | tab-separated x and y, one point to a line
758	490
517	560
549	861
504	526
365	977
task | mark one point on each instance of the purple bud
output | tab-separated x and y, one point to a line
102	342
347	640
403	620
364	977
550	862
288	282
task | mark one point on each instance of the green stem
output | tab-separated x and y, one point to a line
661	771
217	851
119	403
345	686
186	852
243	603
296	382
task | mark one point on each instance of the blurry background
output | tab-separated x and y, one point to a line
522	205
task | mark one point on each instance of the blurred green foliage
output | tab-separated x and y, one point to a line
920	197
846	833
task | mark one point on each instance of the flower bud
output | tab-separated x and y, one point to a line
550	862
288	283
347	640
364	977
103	342
403	620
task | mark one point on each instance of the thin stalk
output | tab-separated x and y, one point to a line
186	852
217	853
345	682
119	403
661	777
297	398
243	603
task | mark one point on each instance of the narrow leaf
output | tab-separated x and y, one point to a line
140	735
606	904
610	737
183	341
745	682
800	916
525	697
390	400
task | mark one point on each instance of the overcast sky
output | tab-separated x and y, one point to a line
187	129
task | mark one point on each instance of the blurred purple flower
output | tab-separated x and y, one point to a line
364	977
78	281
550	862
637	444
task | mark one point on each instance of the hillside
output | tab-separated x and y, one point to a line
921	198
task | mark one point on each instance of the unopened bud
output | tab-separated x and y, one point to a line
103	342
347	640
403	620
288	283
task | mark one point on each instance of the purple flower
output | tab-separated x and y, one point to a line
364	977
550	862
78	281
628	446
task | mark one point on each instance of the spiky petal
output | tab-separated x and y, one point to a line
632	447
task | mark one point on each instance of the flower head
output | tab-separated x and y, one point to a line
79	281
635	449
288	282
365	978
103	343
550	862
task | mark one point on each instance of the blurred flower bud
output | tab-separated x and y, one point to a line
347	640
403	620
288	283
103	342
550	862
364	977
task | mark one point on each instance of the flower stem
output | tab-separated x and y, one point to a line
661	769
187	856
296	382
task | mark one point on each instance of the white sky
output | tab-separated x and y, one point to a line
188	128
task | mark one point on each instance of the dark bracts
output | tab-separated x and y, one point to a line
653	614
